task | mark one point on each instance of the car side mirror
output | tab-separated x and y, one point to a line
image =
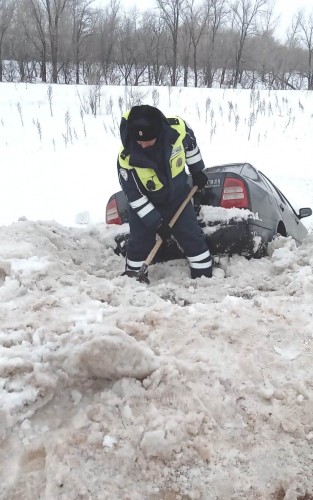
305	212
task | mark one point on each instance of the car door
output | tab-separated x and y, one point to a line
293	225
267	207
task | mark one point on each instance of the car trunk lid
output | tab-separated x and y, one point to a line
226	190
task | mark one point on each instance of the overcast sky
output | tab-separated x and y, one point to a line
285	8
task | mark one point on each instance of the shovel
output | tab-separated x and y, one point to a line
141	273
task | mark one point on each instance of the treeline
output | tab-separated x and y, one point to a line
205	43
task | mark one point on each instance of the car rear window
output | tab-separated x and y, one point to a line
236	167
250	172
267	183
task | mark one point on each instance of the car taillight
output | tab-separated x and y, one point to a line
234	194
112	215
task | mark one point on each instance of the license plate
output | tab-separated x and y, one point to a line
213	183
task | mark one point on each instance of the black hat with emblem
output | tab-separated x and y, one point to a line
144	123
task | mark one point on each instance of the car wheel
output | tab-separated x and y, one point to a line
281	230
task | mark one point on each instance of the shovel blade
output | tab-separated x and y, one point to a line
143	274
142	277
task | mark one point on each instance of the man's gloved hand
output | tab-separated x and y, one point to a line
164	231
199	179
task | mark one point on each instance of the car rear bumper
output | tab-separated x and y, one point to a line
241	237
238	237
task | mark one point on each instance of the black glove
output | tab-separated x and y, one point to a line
199	179
164	231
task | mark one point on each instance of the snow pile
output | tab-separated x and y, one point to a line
210	214
110	388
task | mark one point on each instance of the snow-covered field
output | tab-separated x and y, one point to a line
183	389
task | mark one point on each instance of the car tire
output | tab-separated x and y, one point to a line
281	230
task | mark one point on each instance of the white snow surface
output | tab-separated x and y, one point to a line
179	390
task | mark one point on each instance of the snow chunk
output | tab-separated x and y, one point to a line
76	397
281	242
111	356
288	353
157	443
109	441
10	290
14	249
283	258
27	267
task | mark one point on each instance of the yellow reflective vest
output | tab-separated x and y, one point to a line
148	176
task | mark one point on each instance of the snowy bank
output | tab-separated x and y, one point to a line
182	389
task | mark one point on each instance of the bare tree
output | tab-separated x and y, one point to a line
195	19
34	23
304	28
7	9
217	12
54	9
130	53
47	15
288	57
82	28
245	13
155	40
225	41
224	61
185	49
171	11
261	53
106	29
266	45
20	47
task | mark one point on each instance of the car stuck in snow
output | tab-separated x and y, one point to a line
240	210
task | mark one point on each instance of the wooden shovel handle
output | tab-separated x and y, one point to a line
171	224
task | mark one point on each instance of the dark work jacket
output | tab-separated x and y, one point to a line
146	200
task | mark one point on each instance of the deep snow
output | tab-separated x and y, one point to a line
180	389
183	389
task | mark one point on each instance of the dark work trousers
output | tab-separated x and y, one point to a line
187	233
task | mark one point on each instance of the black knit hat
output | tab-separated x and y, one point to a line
144	123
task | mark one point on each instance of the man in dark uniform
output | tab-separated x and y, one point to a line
151	167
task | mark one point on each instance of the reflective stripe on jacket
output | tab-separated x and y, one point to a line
156	178
148	176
